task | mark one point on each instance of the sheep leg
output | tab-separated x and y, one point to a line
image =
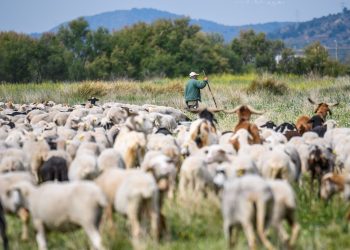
295	228
155	223
24	217
109	216
40	234
261	213
249	233
283	235
132	214
94	237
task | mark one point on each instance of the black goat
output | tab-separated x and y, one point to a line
55	168
316	121
5	242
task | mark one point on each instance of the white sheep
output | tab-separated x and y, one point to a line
110	158
60	206
131	145
284	209
276	164
137	192
243	199
6	182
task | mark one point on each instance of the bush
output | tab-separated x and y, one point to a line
269	85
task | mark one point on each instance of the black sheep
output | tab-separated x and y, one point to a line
55	168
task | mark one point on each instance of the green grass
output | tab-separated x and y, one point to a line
198	223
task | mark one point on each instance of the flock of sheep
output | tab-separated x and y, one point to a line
63	167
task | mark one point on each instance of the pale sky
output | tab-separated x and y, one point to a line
41	15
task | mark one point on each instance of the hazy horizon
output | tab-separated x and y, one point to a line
41	15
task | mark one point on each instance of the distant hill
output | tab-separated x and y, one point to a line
116	20
332	30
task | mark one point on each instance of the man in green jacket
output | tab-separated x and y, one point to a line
192	90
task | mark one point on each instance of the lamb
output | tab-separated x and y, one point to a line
60	206
239	199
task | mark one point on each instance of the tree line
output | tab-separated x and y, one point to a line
168	48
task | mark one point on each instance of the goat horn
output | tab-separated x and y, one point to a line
254	111
312	101
333	104
233	110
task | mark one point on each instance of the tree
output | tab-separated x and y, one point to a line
17	61
74	38
316	57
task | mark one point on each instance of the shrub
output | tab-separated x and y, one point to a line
269	85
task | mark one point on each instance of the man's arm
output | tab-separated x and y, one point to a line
202	84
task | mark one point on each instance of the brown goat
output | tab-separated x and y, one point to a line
304	122
244	113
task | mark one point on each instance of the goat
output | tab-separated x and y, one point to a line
320	163
244	113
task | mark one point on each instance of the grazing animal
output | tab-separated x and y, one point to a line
305	123
55	168
244	199
62	206
319	164
244	113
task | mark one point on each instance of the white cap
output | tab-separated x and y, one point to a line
193	74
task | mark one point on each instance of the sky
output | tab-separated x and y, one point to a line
30	16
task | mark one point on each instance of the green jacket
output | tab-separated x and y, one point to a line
192	90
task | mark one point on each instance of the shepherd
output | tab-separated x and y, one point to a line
192	90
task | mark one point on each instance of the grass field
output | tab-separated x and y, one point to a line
198	224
